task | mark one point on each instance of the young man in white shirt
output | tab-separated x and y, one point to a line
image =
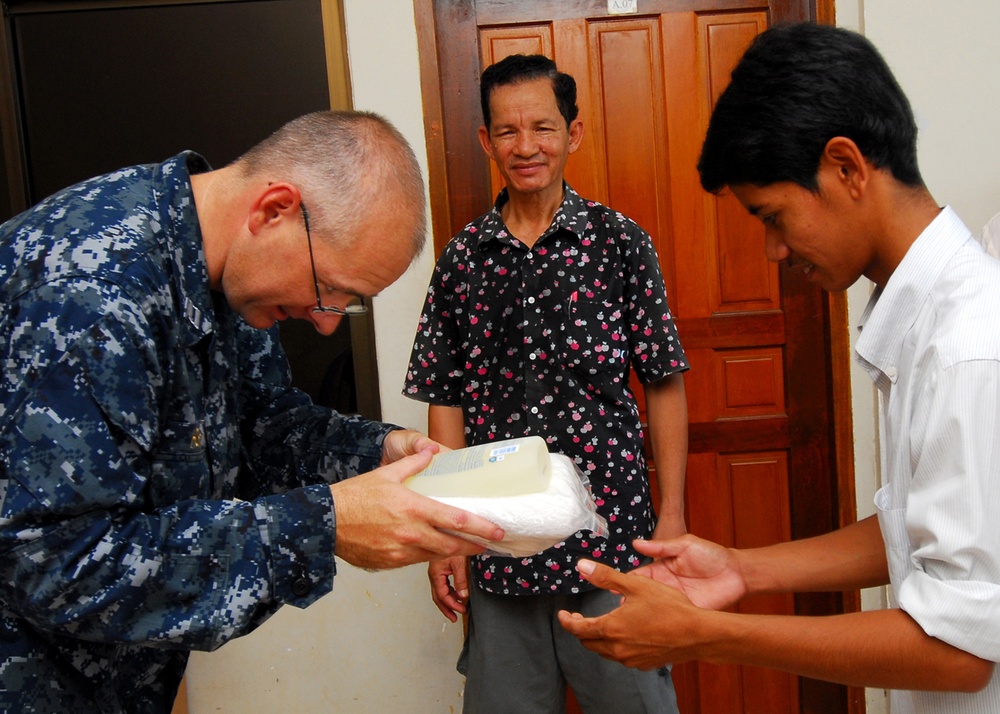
815	137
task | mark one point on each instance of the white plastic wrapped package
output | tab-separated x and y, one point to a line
533	522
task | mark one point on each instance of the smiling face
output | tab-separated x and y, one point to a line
528	137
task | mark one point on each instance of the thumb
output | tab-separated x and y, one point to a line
603	577
403	442
407	466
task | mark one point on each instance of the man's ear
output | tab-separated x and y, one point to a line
484	141
842	157
575	134
277	201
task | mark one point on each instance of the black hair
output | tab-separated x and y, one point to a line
522	68
797	87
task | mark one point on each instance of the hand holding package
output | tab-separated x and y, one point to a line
539	499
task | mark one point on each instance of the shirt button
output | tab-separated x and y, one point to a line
531	301
891	373
301	587
534	410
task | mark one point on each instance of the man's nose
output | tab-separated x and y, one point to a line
774	247
526	144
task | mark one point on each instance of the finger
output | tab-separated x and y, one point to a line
454	604
460	521
604	577
576	624
591	631
425	443
409	442
395	446
439	544
444	610
460	575
659	549
441	573
434	544
449	606
440	586
407	466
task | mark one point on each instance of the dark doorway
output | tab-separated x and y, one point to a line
94	86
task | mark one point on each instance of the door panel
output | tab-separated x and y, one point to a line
761	466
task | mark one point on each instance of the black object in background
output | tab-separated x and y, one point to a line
105	88
102	84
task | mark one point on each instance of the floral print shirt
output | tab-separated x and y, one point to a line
541	341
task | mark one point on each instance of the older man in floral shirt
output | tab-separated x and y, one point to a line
535	315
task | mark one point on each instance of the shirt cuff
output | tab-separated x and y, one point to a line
297	534
963	613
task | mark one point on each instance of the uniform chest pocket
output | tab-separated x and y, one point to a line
180	466
594	339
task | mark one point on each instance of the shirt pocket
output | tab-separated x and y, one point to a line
892	523
593	340
180	466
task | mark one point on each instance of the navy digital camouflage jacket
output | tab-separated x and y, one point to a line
162	488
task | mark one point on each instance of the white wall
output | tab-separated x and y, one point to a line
376	644
946	56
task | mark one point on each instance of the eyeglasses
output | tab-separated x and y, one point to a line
354	308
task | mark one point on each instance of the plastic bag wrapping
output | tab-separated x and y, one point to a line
533	522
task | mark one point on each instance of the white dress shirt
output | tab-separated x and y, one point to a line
931	342
990	236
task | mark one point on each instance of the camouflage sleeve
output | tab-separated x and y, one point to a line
290	441
97	538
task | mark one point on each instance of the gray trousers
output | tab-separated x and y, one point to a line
518	659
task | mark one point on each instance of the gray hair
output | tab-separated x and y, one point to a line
344	162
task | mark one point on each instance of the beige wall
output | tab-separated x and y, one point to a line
376	644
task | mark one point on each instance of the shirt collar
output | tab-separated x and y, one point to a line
172	185
892	309
572	215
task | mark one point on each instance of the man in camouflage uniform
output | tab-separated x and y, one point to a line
162	488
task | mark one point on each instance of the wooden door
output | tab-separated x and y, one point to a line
762	465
